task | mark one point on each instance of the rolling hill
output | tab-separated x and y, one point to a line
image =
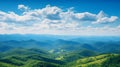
105	60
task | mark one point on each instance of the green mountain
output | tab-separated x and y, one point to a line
71	56
27	58
38	58
59	51
105	60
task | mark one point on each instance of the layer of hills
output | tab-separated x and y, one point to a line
59	51
37	58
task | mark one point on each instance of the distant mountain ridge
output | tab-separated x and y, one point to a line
39	37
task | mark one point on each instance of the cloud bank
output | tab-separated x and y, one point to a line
54	20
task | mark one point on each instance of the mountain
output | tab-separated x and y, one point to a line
72	56
5	48
65	45
105	60
27	58
59	51
39	60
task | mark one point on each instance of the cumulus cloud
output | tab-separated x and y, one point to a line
51	19
102	18
23	7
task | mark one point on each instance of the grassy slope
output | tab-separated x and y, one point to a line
97	61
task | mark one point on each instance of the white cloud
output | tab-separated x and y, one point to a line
52	20
102	18
86	16
23	7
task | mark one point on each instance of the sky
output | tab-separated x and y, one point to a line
60	17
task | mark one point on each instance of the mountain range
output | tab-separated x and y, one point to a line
59	51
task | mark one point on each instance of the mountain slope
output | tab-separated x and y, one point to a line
27	58
105	60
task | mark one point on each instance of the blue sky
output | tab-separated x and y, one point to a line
62	17
94	6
